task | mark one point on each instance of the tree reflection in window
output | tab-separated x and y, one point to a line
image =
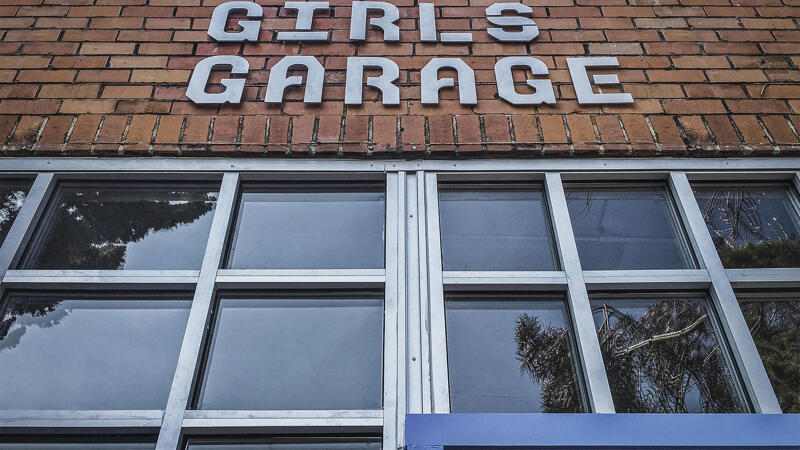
124	226
775	326
664	356
754	226
12	195
545	354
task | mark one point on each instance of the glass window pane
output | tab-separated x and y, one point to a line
297	443
495	228
631	228
664	356
510	356
295	353
751	226
104	442
12	195
73	351
775	326
310	227
124	226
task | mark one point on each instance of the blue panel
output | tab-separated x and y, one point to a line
425	431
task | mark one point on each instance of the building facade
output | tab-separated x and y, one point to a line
362	225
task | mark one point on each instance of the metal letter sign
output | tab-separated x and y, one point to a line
505	81
358	20
233	87
583	88
250	28
427	27
305	15
431	82
494	14
355	77
510	28
278	81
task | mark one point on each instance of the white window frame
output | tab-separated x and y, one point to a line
415	377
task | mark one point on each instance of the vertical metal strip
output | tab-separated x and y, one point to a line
25	223
413	276
188	360
585	334
734	326
440	389
394	285
424	301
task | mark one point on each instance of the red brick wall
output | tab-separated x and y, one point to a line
109	77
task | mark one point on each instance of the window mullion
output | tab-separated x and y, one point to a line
417	297
394	310
586	336
198	316
743	348
33	206
440	389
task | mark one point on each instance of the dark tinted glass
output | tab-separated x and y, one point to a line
619	229
124	226
775	326
295	353
12	194
495	229
664	356
510	356
285	444
752	226
60	351
311	227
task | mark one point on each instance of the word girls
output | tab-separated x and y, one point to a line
522	29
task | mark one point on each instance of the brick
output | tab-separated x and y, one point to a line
27	130
8	106
629	48
695	131
111	132
526	129
69	91
440	128
694	106
55	133
23	62
723	131
127	91
757	106
667	132
302	132
254	132
169	129
553	129
496	128
140	132
779	129
751	130
6	124
468	133
196	130
226	129
278	130
87	106
106	48
85	129
384	132
412	130
356	134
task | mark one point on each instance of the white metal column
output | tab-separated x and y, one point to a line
188	360
591	359
734	326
